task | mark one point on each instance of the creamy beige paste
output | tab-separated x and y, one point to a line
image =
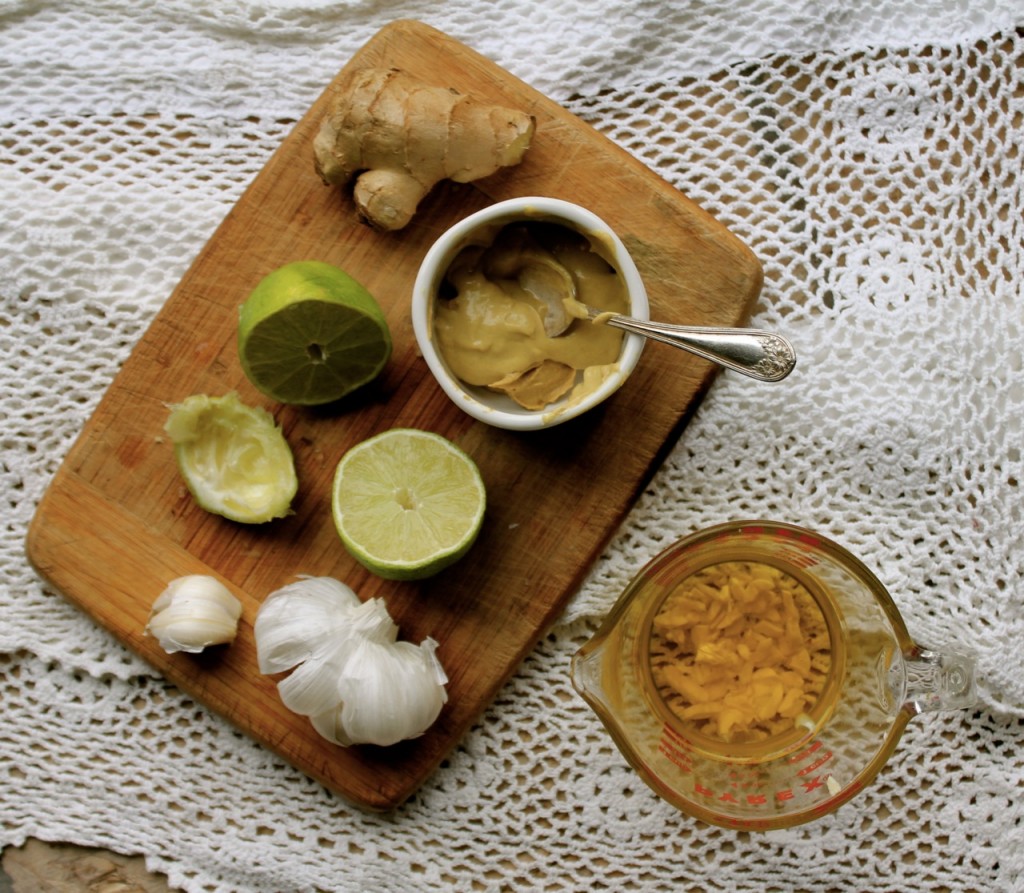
490	329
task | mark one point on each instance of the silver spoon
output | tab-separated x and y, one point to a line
761	355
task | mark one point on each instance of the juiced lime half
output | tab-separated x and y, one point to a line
233	457
407	503
310	334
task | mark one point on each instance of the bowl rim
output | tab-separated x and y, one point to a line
443	251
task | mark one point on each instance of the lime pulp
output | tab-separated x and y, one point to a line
407	503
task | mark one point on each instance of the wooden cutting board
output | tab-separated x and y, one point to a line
117	524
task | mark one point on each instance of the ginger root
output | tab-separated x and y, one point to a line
402	137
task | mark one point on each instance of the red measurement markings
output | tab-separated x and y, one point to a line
817	764
678	740
729	797
800	559
676	749
804	754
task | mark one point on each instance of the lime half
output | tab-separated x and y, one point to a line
407	503
310	334
233	457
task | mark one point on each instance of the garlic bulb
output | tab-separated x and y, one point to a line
193	612
351	676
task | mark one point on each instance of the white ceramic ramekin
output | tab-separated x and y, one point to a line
480	228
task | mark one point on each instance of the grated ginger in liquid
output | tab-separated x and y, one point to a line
741	650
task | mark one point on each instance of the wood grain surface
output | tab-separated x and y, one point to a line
117	524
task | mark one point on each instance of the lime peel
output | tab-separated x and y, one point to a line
407	503
234	458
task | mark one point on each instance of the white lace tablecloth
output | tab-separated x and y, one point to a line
874	161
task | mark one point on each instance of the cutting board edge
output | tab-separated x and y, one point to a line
41	547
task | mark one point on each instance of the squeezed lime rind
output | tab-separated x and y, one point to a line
233	458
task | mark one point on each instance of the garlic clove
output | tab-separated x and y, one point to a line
328	725
314	683
390	692
296	620
192	613
372	621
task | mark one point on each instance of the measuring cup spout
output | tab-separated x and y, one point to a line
585	673
938	680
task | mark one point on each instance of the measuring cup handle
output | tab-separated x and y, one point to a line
938	680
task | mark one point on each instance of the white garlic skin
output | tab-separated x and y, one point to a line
349	675
294	621
389	692
192	613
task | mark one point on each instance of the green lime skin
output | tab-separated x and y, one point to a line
310	334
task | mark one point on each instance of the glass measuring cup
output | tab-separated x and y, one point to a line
874	678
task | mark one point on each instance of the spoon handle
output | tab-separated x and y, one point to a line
762	355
